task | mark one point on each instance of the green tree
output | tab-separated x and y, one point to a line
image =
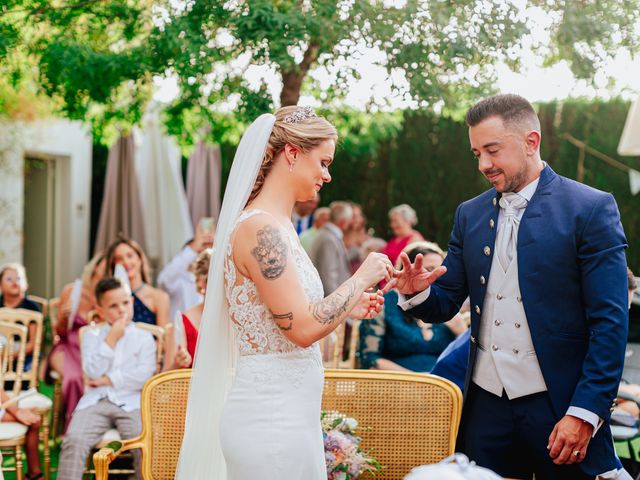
105	53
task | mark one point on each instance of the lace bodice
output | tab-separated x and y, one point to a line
256	332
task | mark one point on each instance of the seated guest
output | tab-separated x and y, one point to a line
394	340
372	244
302	215
628	406
320	218
150	305
177	279
31	419
453	361
402	219
117	359
187	329
355	236
13	287
328	253
76	301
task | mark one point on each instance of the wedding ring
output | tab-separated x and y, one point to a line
576	453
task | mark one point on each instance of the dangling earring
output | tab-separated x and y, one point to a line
290	167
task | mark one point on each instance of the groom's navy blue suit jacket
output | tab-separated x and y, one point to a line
573	282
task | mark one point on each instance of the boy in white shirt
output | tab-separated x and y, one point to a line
117	359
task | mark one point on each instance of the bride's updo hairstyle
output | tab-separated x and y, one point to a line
294	125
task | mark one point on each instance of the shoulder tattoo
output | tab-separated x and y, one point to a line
271	252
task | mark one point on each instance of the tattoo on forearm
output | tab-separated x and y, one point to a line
277	317
271	252
331	308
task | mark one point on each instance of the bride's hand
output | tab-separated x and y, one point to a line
369	306
376	267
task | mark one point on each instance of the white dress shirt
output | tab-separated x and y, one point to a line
176	279
129	365
405	304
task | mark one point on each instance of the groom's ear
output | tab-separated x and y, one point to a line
532	142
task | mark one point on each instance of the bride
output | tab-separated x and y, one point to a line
254	403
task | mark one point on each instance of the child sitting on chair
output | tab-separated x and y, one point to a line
117	359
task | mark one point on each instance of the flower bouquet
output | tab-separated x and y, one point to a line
344	458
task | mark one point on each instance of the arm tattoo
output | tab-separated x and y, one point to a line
271	252
331	308
283	316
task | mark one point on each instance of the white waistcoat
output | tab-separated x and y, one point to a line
506	359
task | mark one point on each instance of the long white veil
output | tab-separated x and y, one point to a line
201	453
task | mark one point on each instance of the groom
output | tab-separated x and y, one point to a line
542	259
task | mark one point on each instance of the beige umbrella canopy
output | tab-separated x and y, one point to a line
203	183
630	140
121	211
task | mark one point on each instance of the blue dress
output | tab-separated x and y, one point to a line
142	313
396	336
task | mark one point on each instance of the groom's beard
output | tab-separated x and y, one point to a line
511	184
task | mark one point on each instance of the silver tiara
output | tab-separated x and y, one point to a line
300	114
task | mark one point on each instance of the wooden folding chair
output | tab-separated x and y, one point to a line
33	321
13	345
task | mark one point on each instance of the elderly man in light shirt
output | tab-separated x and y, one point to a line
117	359
320	218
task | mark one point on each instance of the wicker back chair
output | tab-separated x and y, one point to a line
163	410
408	419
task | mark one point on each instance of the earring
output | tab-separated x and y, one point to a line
290	167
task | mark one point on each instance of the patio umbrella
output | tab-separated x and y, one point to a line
121	211
630	140
630	143
167	224
203	182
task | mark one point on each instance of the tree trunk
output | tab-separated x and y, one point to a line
292	79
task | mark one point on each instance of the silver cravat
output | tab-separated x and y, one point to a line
507	239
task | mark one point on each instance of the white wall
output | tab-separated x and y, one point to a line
70	144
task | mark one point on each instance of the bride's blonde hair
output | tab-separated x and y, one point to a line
296	126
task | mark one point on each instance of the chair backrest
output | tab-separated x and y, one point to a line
159	333
42	302
5	358
34	323
53	311
13	337
164	409
406	419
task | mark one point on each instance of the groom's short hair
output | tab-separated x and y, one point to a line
514	110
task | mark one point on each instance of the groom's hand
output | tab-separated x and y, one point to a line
413	278
570	436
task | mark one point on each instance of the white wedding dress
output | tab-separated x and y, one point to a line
270	424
